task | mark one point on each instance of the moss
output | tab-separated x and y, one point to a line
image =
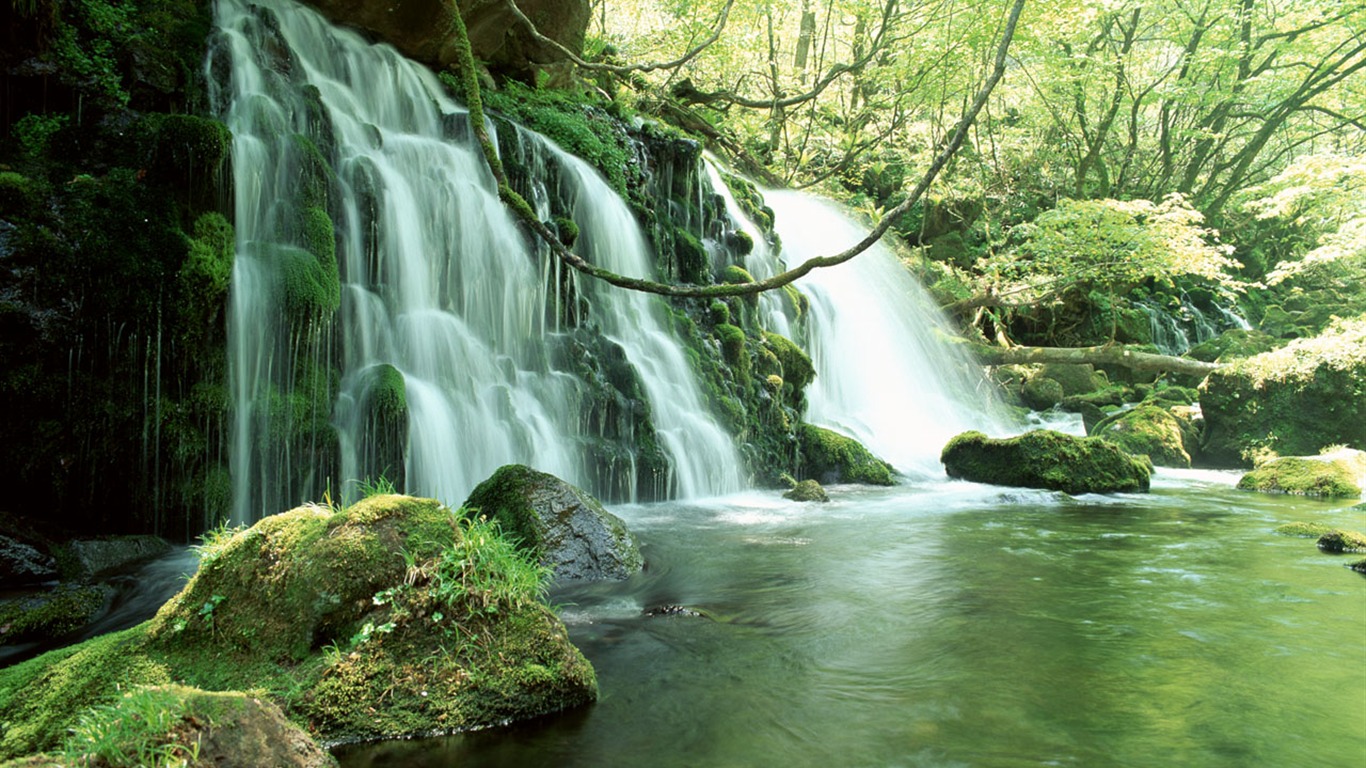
736	275
567	230
690	258
720	312
1304	530
733	343
1041	393
740	243
41	698
1342	541
806	491
1233	345
797	370
830	457
1147	430
50	615
1308	476
500	498
1294	400
1046	459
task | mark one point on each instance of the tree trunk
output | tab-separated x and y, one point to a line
1107	355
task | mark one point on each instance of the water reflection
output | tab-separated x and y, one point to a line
955	624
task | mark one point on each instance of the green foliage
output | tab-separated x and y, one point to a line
486	573
50	615
33	133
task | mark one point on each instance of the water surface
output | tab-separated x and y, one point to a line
953	624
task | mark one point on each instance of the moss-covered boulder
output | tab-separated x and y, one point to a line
563	526
1335	475
1046	459
394	617
1147	430
1041	392
1338	542
1234	344
829	457
807	490
176	725
1295	400
51	615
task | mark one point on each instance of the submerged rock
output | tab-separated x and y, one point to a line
51	615
1046	459
1334	475
567	529
807	490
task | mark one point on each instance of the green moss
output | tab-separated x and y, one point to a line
830	457
1294	400
690	258
1304	530
736	275
733	343
1342	541
720	312
567	230
50	615
1041	392
797	369
41	698
1046	459
740	242
1303	476
807	490
500	498
1147	430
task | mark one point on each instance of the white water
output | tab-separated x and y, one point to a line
437	281
884	372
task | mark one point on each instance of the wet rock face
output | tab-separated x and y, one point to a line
419	29
569	530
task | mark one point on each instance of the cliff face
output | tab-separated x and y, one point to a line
419	29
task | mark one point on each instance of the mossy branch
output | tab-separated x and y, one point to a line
1104	355
465	62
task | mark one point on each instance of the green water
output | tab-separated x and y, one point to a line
961	625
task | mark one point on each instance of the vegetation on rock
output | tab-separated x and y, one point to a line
1335	475
829	457
1046	459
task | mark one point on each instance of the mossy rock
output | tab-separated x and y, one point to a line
563	526
1294	401
1147	430
829	457
341	613
1233	345
1336	475
1076	379
1305	530
179	725
797	367
1114	394
1046	459
1041	392
807	491
1337	542
51	615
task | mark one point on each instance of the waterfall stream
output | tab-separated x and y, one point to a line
440	302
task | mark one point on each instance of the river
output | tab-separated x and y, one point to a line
954	624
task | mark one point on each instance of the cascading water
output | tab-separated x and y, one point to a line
1176	330
441	305
883	372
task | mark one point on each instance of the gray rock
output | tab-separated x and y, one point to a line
21	564
101	555
567	528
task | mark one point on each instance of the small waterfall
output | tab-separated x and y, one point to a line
884	373
387	313
1176	330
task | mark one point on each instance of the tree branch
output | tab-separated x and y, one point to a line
523	210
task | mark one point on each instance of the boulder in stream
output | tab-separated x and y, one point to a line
829	457
567	529
1337	474
1046	459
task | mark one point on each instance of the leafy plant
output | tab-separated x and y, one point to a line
485	573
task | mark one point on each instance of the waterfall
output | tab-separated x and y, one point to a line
387	314
884	373
1175	331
